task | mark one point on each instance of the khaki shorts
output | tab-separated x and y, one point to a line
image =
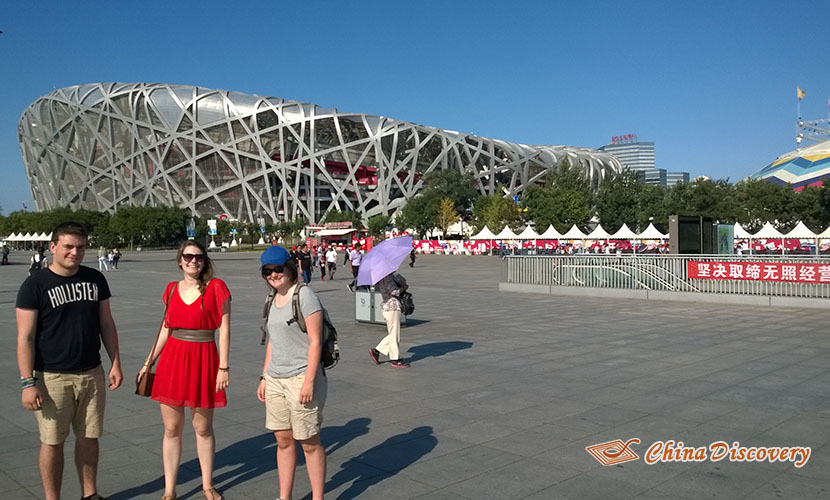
71	398
283	410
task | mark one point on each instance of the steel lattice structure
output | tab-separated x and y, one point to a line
102	146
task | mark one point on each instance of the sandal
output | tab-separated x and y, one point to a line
168	497
212	494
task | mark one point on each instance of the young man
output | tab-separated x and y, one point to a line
354	260
63	317
331	261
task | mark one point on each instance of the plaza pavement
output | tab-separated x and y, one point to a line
505	392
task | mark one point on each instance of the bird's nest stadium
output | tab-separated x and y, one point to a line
105	145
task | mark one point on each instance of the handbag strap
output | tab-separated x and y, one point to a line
163	317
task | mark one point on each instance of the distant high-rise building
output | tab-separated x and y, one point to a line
639	157
673	178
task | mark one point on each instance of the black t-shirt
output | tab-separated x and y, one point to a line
305	260
68	333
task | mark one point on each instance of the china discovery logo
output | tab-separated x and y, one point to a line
617	452
614	452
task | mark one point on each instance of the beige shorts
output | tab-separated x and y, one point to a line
283	410
71	398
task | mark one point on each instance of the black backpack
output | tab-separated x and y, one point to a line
407	304
330	355
405	298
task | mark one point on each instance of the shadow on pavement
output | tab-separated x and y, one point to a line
436	349
247	459
382	461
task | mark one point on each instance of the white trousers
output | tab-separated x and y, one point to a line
390	345
102	264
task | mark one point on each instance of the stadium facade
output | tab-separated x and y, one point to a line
804	167
105	145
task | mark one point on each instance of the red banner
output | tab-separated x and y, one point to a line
759	271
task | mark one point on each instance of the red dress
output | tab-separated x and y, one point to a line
186	371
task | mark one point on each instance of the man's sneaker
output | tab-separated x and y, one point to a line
399	363
375	354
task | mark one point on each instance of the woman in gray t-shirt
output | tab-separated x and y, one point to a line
293	384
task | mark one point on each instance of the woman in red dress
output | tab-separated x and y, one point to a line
191	371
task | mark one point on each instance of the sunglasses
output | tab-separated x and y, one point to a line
188	257
269	270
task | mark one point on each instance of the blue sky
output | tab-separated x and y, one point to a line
713	84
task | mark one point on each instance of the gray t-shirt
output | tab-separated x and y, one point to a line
289	345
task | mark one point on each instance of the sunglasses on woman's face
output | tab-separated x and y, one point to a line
269	270
188	257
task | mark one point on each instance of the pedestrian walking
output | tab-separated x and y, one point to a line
390	287
102	259
63	318
412	258
293	384
304	258
38	261
191	371
5	255
116	256
331	261
354	260
321	258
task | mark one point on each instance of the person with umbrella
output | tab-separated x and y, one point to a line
379	267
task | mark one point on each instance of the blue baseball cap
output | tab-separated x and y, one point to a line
275	255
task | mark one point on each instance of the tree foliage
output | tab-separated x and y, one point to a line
376	225
447	216
420	213
495	212
617	200
455	185
565	199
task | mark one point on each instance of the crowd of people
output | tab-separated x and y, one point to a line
63	319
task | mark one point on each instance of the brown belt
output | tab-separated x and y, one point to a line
193	335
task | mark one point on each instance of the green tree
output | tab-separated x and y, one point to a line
715	199
420	214
495	212
618	200
376	225
651	207
761	201
807	207
447	216
455	185
566	199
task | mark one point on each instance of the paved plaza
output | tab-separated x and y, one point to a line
505	392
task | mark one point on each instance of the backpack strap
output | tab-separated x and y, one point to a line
295	309
266	311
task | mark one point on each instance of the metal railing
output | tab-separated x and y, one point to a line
654	272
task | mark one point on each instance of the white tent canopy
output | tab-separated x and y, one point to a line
573	234
740	232
801	231
527	234
767	232
484	234
652	233
598	234
550	234
624	234
506	234
824	234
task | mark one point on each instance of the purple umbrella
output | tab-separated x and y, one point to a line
384	259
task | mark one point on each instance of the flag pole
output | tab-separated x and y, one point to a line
799	94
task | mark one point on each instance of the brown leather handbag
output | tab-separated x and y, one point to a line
144	383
